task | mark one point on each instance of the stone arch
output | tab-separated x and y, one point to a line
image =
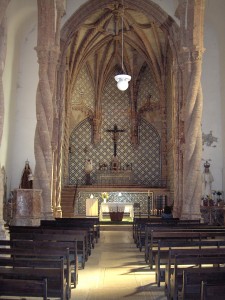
166	23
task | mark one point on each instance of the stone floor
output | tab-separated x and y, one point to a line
116	270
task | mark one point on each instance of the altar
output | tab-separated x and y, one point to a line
110	177
108	207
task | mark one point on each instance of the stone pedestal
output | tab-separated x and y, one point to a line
26	207
4	234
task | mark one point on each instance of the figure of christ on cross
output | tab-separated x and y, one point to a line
115	137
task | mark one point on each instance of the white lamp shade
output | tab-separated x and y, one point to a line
122	81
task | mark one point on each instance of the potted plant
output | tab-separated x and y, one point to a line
105	196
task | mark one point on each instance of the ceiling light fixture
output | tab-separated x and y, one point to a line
122	79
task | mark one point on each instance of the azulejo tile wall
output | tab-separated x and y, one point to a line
145	202
145	158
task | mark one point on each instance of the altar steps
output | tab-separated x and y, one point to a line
67	201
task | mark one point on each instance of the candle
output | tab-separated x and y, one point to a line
148	193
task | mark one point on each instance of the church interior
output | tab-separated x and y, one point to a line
111	111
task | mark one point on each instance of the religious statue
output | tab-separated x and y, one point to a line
207	180
88	169
27	177
2	191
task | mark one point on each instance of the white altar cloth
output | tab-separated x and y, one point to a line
117	206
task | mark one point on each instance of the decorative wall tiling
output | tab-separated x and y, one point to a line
145	159
115	109
155	204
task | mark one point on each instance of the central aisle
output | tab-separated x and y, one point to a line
116	270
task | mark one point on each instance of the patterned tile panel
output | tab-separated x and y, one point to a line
156	204
145	159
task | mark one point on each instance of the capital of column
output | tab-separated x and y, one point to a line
196	55
189	56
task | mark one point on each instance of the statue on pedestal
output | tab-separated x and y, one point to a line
88	169
207	180
27	177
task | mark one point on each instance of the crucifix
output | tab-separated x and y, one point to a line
115	137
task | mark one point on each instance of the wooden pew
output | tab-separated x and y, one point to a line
164	246
91	224
180	259
176	233
139	224
23	287
67	249
139	227
142	233
193	278
212	291
21	254
93	221
26	268
38	233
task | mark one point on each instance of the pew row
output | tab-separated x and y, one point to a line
91	223
23	287
181	259
141	225
193	278
176	235
19	270
155	234
162	252
47	249
81	236
212	291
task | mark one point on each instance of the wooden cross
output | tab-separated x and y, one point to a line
115	137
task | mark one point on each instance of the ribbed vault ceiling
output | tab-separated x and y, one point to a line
98	44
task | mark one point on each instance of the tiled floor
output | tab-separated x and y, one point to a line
116	270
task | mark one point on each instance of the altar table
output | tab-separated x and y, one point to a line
126	207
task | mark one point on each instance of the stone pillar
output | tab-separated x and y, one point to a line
190	61
3	7
26	207
47	49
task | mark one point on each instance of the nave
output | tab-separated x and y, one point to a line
116	269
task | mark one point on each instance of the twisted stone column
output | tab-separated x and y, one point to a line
193	140
47	52
190	43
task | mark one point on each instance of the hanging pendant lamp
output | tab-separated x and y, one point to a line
122	79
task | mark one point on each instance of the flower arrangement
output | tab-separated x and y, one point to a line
105	195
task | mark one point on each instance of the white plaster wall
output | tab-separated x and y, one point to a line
213	87
20	83
25	121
